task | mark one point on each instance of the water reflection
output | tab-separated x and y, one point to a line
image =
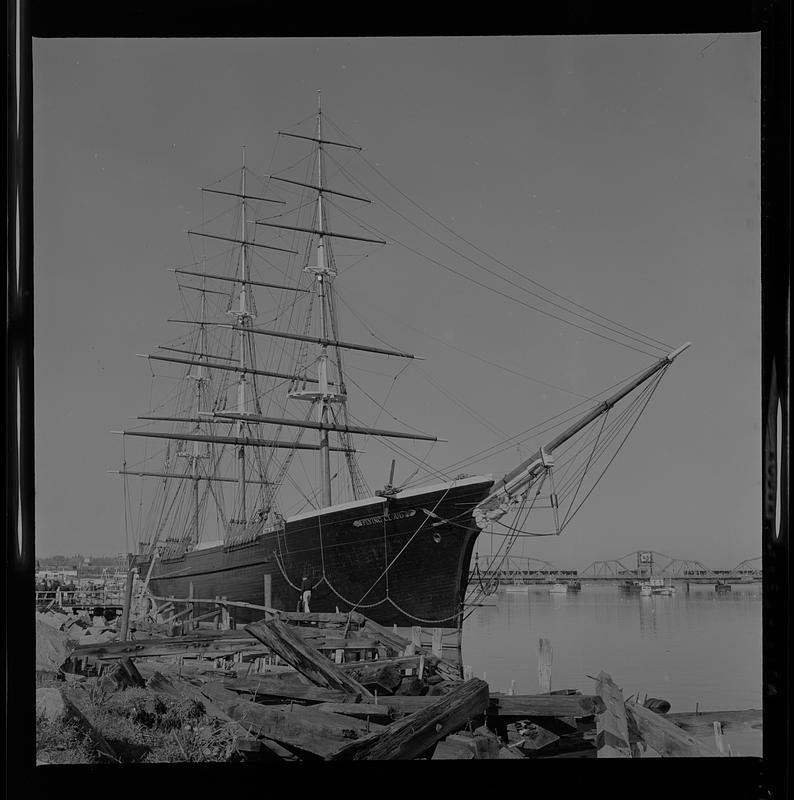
672	647
647	608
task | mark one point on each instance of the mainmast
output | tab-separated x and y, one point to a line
199	386
324	273
243	321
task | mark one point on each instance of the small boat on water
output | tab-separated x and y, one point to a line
657	586
558	588
722	587
574	586
514	588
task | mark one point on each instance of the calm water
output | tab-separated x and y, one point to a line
696	647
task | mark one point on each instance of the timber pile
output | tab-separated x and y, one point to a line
340	687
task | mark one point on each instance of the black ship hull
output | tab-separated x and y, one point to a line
401	560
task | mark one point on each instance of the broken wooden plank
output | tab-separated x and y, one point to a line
303	727
352	643
534	737
281	639
413	735
389	637
612	737
482	746
141	648
379	714
544	705
665	736
451	749
135	677
401	662
702	723
261	688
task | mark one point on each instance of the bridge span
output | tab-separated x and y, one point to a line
636	566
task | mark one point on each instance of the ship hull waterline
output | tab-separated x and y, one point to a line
387	558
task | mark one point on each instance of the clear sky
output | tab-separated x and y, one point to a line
620	171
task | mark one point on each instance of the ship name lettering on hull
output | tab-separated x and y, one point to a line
359	523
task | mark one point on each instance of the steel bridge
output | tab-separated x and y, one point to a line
638	565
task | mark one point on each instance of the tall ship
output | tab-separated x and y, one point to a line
233	511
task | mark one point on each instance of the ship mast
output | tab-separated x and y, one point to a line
243	320
322	273
199	385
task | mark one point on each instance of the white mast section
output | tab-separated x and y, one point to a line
322	366
199	383
324	273
243	318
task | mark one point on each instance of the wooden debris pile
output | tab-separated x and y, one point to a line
340	687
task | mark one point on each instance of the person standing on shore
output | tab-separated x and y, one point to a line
306	594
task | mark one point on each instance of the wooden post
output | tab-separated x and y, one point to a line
217	621
612	739
268	590
125	613
437	647
545	655
722	746
225	625
190	596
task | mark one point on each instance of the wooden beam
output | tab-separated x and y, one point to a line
612	732
701	724
544	705
415	734
318	732
283	641
379	714
263	687
545	656
665	736
172	645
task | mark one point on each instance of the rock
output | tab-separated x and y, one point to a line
53	647
54	619
55	707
